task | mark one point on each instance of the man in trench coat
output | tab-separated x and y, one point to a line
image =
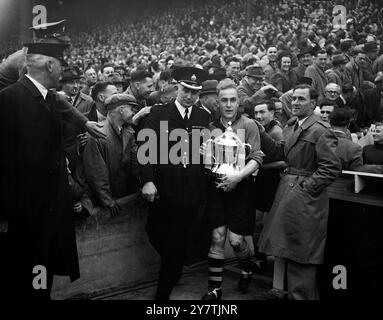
296	226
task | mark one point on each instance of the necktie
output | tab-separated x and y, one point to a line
186	114
296	126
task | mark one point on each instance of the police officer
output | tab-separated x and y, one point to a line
175	188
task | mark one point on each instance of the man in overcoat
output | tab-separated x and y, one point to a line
173	184
296	226
35	196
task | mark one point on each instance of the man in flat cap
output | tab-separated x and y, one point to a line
173	184
336	73
110	164
253	89
36	199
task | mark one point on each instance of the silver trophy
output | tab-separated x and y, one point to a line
226	154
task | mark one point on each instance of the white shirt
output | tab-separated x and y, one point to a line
39	86
182	110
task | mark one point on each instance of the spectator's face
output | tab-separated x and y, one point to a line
91	77
71	88
145	88
210	101
228	103
325	112
278	108
107	71
186	97
55	73
272	54
361	60
233	69
120	87
302	105
306	59
285	63
262	114
109	90
127	113
255	83
332	92
378	134
321	60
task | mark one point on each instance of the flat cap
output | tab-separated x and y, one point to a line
120	99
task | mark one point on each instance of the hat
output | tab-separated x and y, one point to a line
209	86
254	71
53	32
49	40
190	77
370	47
120	99
305	80
338	59
304	51
69	74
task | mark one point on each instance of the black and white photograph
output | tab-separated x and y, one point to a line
191	157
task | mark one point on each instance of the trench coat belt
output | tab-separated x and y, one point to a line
297	172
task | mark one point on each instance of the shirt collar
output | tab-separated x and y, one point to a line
182	109
207	110
301	121
39	86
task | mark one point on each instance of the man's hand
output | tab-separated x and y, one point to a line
269	87
94	129
149	192
143	112
261	128
229	182
81	141
114	209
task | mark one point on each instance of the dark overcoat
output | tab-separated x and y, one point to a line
35	192
296	226
182	186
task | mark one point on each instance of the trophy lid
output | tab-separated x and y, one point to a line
228	138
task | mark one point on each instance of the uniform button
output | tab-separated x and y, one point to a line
291	184
186	140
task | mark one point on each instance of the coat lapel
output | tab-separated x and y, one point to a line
293	136
35	92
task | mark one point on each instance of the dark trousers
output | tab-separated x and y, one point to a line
170	230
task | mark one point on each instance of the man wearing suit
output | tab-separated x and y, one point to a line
295	228
35	198
175	189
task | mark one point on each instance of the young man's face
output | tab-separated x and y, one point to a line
71	88
306	59
272	54
233	69
378	134
262	114
228	104
145	88
325	112
321	59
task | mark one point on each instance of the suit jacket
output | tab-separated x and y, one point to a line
296	226
35	197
